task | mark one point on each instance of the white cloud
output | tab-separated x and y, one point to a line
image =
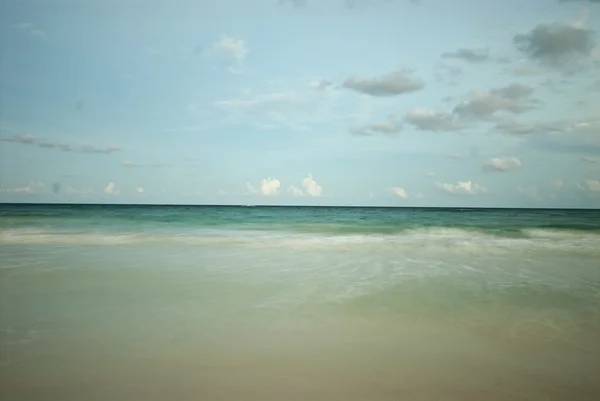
311	187
262	103
399	192
430	120
231	48
23	25
431	174
389	127
587	131
463	188
456	156
419	196
294	191
503	164
38	32
111	189
139	190
130	164
266	187
592	185
28	27
32	188
288	104
75	191
589	159
580	22
321	84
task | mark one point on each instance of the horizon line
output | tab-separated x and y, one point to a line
290	206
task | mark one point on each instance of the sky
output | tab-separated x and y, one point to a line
470	103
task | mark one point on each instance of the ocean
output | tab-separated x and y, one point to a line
123	302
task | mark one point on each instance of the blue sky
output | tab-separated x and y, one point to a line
364	102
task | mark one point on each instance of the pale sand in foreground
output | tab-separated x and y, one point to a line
309	361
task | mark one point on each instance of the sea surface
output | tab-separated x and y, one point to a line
106	302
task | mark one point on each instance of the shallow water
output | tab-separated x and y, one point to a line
113	302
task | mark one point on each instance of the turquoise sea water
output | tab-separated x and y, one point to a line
307	303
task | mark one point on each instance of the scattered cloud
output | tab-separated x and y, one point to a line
431	174
589	159
322	84
523	70
75	191
593	185
32	188
430	120
468	55
94	149
447	74
23	25
232	49
515	128
514	98
290	109
557	185
130	164
295	3
294	191
34	141
502	164
266	187
311	187
111	189
389	127
38	32
139	190
463	188
399	192
579	137
556	43
456	156
395	83
30	28
262	103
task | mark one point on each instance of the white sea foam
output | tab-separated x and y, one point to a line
446	238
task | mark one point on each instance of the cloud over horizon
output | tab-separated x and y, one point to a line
336	88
